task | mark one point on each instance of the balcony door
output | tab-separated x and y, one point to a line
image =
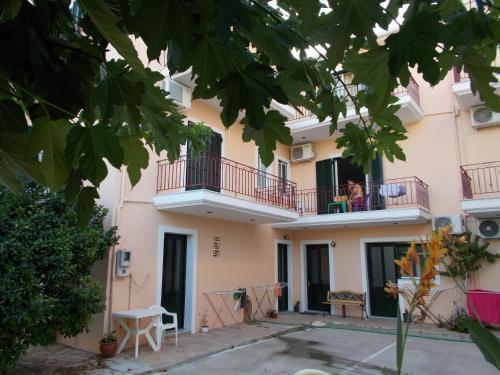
203	171
332	176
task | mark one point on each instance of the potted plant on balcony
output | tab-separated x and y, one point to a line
204	322
108	345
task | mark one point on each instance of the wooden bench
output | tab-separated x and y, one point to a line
347	298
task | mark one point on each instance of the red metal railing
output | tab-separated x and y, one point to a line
301	114
459	75
462	75
481	179
228	177
393	193
215	173
412	90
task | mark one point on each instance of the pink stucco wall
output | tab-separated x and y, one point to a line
435	148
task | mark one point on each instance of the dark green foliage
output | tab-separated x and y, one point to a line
464	255
457	321
487	342
53	72
45	263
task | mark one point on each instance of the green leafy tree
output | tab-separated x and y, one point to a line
59	95
465	254
45	269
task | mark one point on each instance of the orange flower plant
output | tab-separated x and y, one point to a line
434	252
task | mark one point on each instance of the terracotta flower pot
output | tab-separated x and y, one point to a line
108	349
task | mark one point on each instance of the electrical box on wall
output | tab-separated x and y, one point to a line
123	260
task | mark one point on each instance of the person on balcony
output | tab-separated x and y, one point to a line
356	198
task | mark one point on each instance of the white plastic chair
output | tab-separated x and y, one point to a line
162	327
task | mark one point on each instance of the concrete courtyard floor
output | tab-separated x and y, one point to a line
341	351
277	346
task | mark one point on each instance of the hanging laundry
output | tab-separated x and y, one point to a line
392	190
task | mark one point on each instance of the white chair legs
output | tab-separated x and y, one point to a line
162	327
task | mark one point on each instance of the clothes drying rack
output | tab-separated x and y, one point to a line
262	299
219	301
220	298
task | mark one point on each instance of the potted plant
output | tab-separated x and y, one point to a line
296	307
108	345
204	322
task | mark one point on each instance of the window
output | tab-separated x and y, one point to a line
283	169
282	174
262	179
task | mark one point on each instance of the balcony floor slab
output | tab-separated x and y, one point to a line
466	98
484	208
222	206
375	218
310	129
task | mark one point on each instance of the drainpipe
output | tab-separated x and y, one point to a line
111	255
460	156
456	113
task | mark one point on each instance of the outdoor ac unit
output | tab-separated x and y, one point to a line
302	153
482	117
489	228
180	94
456	222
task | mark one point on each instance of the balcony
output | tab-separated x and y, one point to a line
215	187
306	126
481	189
393	202
463	92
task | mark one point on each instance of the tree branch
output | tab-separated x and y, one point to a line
337	75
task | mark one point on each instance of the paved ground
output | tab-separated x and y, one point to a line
340	351
270	347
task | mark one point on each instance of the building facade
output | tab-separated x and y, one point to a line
202	227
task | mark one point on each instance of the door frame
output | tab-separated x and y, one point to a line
289	266
364	261
303	270
336	176
191	270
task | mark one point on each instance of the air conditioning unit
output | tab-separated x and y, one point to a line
456	221
489	228
482	117
180	94
302	153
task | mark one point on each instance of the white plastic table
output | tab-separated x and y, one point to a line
137	314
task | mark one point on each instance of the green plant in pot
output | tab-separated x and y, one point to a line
108	345
204	322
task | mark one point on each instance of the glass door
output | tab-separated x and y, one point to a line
283	275
381	269
318	277
173	286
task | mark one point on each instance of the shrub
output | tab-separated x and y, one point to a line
45	266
